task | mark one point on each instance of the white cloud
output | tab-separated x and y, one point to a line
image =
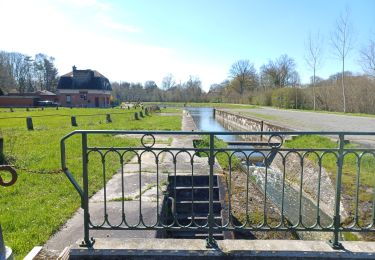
99	5
109	23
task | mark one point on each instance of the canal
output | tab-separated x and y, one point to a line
297	207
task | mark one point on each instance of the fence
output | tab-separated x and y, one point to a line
315	189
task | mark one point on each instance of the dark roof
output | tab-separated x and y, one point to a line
92	80
45	93
33	94
96	73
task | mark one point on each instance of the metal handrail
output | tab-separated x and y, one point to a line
339	154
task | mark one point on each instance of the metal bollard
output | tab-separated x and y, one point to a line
108	118
29	123
73	121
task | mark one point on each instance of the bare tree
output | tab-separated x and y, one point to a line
313	59
367	58
279	73
244	72
168	82
341	39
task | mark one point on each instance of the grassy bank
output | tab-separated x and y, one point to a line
354	170
222	157
42	198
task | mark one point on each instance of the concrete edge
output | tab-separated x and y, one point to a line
33	253
226	248
258	120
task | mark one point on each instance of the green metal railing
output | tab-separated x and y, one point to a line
289	195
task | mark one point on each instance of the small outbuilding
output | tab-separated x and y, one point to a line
27	99
84	88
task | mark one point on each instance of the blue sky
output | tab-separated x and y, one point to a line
139	40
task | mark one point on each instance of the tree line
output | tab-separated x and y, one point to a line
188	91
23	73
278	83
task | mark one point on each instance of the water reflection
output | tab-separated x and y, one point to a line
205	121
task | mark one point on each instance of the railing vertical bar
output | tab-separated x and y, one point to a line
319	187
230	219
140	189
122	190
210	240
283	192
158	186
265	197
247	189
300	194
336	221
356	218
174	206
104	190
192	191
86	217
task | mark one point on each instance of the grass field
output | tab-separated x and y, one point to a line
43	199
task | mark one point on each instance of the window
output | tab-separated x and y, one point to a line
83	95
68	99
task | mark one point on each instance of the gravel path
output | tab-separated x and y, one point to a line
312	121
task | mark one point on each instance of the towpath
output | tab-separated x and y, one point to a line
315	121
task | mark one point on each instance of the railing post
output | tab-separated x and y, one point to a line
337	217
211	222
86	216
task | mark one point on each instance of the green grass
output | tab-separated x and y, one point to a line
39	203
222	157
192	104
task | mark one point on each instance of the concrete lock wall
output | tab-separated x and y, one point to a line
240	122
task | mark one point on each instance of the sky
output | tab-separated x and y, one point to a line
140	40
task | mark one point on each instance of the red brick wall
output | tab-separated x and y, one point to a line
77	101
17	101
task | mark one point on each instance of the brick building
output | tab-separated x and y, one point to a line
26	99
84	88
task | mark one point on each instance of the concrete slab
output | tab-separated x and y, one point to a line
227	249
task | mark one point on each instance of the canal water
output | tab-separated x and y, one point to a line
204	120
